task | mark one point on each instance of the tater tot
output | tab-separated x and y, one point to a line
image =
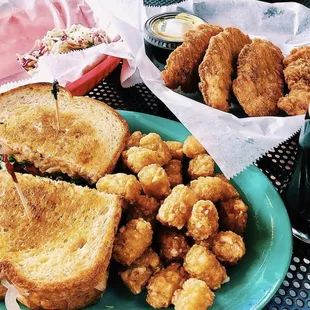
132	240
233	215
145	207
228	247
204	220
202	264
177	207
154	181
163	284
213	188
138	157
134	139
121	184
174	172
139	272
194	295
192	148
201	166
207	243
172	244
176	149
222	177
154	142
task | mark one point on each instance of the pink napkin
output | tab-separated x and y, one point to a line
24	21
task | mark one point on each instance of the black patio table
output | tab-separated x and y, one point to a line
278	165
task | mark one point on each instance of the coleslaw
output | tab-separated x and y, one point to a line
58	41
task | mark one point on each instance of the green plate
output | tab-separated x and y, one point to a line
268	237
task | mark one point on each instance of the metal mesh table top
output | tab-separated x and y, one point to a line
278	165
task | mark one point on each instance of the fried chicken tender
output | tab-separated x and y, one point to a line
163	284
177	207
297	77
217	67
182	65
132	240
172	244
153	142
176	149
233	215
134	139
204	220
138	157
201	166
145	207
154	181
139	272
174	172
192	147
202	264
214	189
121	184
259	83
228	247
194	295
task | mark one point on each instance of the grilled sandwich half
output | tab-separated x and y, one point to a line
59	259
91	138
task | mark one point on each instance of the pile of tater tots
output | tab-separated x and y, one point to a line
181	225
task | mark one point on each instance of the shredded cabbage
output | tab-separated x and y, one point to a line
58	41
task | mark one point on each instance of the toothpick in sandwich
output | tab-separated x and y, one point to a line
10	169
54	91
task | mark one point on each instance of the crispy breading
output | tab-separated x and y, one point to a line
121	184
201	166
139	272
228	247
154	181
202	264
134	139
194	295
176	149
297	53
214	189
138	157
163	284
145	207
260	82
172	244
154	142
218	67
233	215
132	240
177	207
182	65
297	77
204	220
174	172
192	147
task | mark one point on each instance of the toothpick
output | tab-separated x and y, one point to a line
11	171
54	91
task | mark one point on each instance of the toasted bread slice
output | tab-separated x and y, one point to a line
59	259
91	138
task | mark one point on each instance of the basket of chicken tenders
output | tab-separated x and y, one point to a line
236	75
